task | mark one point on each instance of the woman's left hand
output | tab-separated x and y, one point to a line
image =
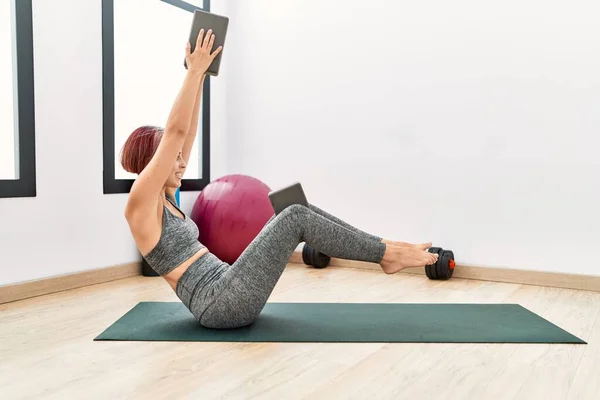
201	58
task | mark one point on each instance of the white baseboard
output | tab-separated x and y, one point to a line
39	287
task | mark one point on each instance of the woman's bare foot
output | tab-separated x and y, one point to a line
396	258
422	246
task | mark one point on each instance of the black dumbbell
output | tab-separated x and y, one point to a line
315	258
443	267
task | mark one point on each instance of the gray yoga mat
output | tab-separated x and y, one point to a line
346	322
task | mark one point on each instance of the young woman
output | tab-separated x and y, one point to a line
220	295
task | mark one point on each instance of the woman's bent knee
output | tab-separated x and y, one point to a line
293	210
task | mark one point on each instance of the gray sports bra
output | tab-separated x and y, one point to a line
178	242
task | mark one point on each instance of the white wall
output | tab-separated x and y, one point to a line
383	117
471	124
71	225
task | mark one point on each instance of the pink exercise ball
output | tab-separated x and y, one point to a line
230	212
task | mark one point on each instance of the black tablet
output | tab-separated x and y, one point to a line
283	198
218	24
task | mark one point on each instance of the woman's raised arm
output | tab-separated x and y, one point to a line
154	176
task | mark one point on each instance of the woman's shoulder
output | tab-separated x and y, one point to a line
144	215
145	224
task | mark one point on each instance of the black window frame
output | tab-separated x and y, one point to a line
25	185
112	185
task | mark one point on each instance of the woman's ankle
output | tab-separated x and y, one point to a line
389	259
389	254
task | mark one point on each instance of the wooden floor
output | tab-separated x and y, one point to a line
47	349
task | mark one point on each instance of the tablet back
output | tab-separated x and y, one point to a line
292	194
218	24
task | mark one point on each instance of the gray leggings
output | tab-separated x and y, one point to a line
224	296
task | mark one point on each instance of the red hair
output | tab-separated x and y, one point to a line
139	148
